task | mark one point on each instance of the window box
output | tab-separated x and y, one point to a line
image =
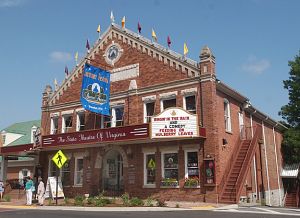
169	183
192	182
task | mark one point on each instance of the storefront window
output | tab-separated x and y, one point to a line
78	171
192	165
170	166
150	166
65	174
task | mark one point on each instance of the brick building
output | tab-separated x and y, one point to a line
213	146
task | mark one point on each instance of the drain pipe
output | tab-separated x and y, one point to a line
254	160
266	159
276	160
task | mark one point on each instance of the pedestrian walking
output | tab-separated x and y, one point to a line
41	191
1	189
28	188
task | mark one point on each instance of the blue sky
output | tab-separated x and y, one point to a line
252	40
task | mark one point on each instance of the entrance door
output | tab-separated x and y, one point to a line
113	184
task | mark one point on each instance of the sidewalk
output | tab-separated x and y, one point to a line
171	206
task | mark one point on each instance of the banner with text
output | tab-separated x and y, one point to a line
174	123
95	90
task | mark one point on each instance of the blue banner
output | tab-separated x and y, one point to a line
95	90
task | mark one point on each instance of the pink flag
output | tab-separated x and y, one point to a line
169	41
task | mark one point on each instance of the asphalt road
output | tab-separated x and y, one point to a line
127	214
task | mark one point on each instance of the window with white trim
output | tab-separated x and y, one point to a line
191	164
67	122
189	102
148	111
78	175
116	118
167	103
149	168
54	125
66	174
80	121
227	115
170	165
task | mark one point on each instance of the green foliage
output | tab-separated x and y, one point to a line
149	202
67	200
79	200
291	113
7	198
136	202
191	182
291	146
100	201
177	205
171	182
161	203
90	201
125	199
50	201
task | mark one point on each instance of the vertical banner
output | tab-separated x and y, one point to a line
95	90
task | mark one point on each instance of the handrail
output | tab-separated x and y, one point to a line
245	164
284	198
229	166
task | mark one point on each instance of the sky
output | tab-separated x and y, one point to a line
252	40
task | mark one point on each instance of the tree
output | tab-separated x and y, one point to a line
291	113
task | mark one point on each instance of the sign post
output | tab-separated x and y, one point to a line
59	159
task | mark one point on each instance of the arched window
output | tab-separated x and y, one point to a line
227	115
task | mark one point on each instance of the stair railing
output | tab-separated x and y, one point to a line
245	165
229	166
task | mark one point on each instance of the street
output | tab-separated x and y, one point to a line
224	213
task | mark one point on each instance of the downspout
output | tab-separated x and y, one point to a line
266	160
276	160
254	160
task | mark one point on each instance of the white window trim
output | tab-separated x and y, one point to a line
186	160
184	101
63	126
52	124
145	109
75	171
78	124
146	185
163	163
227	116
113	114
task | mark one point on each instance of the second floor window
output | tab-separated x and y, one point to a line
80	121
116	118
190	104
227	115
67	123
167	103
54	125
148	111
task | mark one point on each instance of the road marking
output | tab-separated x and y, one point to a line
209	207
267	210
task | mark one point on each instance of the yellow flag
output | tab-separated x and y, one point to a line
76	56
98	29
185	49
154	35
123	22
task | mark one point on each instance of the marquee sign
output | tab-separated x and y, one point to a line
174	123
98	136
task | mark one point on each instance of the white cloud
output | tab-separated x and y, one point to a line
255	65
10	3
59	56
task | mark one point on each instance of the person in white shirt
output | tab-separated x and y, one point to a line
41	191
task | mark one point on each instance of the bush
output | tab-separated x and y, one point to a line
100	201
90	200
136	202
67	200
7	198
79	200
161	203
50	201
149	202
125	199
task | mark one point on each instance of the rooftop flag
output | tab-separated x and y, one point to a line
98	29
169	41
154	35
76	57
66	71
95	90
139	28
123	22
87	45
55	85
185	49
112	18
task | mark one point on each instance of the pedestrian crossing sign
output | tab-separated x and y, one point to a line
59	159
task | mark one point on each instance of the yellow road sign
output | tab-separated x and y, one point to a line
59	159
